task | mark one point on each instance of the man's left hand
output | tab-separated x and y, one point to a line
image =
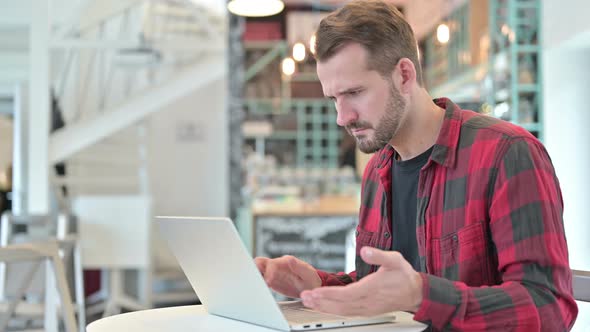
394	286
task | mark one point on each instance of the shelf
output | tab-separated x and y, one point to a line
526	5
535	126
277	135
284	135
530	88
527	48
468	80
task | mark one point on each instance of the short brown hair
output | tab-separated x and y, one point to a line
376	25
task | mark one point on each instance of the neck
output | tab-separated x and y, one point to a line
421	127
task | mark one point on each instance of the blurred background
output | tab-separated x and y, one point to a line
116	111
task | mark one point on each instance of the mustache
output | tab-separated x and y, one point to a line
358	125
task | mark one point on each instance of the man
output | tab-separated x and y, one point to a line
461	214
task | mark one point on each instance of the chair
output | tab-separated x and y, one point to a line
581	283
55	279
17	230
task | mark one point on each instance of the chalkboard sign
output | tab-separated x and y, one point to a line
318	240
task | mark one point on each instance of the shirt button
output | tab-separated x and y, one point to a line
386	235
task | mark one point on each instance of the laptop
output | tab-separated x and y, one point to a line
228	283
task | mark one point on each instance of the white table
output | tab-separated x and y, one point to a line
195	318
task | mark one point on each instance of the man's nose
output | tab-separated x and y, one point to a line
346	114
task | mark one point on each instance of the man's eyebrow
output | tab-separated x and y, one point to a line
343	92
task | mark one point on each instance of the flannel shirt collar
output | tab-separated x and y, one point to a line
445	148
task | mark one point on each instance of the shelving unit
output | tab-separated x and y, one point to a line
316	136
311	131
497	63
515	34
446	60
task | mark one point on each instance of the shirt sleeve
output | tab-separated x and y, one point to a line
341	278
526	225
336	279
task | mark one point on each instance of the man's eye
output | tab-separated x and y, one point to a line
354	92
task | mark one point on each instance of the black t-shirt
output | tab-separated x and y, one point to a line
404	204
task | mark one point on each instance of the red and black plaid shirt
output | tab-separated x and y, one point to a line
489	229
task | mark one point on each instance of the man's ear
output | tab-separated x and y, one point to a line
404	75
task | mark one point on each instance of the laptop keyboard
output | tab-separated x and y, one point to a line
297	313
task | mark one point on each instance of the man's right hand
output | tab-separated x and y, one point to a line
288	275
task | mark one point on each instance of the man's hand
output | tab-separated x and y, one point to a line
288	275
394	286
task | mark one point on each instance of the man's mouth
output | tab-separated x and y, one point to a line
358	131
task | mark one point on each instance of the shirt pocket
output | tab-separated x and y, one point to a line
462	255
363	239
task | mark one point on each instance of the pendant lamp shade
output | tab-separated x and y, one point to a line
255	8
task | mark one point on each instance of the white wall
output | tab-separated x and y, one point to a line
564	20
567	138
188	155
188	159
566	73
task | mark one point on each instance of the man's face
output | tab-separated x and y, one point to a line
368	105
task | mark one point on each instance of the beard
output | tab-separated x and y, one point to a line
387	126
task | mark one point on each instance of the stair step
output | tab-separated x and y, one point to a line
114	181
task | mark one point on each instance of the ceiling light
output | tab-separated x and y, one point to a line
288	66
255	8
312	44
298	52
443	33
419	53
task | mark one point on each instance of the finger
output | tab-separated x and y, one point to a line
332	305
354	292
280	278
304	271
387	259
261	264
277	272
272	271
299	274
354	298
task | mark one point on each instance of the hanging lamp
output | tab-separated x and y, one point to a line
255	8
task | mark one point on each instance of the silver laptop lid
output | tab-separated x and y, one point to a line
220	270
